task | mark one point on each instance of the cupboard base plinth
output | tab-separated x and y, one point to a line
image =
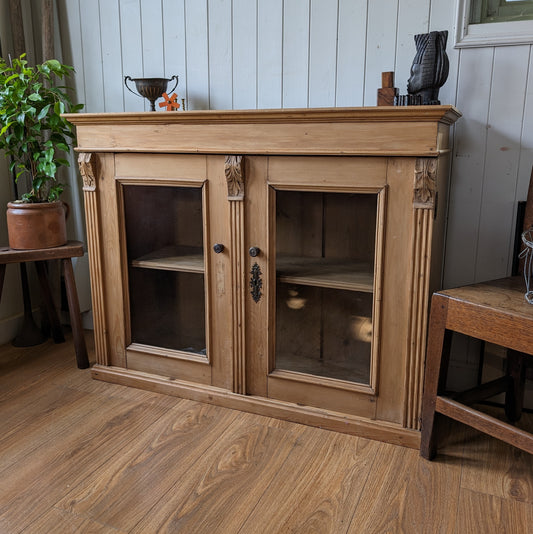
334	421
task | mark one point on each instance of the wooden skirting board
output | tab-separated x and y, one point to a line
377	430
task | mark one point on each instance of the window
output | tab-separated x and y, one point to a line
485	11
494	22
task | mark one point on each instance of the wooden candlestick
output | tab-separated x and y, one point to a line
387	92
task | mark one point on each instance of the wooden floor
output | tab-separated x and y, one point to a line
78	455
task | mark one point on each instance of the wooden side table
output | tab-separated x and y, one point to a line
64	253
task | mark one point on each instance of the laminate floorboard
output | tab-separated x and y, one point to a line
79	455
318	487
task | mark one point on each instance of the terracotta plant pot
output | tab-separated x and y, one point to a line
39	225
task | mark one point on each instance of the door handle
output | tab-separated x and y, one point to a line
254	251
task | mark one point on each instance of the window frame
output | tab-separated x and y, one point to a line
489	34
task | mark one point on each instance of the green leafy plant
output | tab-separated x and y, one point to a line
33	133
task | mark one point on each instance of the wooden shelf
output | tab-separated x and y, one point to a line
327	273
167	259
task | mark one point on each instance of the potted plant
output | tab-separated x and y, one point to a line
35	137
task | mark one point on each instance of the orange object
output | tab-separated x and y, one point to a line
171	102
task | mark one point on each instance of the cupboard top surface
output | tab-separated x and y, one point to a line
445	114
396	131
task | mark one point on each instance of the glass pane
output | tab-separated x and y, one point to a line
324	332
325	244
160	311
486	11
164	238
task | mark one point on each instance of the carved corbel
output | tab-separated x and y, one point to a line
425	187
234	169
88	164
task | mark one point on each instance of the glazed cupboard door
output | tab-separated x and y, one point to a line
176	269
316	280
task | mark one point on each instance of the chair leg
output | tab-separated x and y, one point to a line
514	397
75	317
438	355
57	332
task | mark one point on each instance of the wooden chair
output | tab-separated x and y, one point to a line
496	312
39	256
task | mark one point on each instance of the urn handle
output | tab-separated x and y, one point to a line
126	78
175	85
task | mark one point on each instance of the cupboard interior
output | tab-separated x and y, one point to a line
325	250
164	244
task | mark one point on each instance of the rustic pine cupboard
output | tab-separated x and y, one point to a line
273	261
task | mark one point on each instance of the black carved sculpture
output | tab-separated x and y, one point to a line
430	68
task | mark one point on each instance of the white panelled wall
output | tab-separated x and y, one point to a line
238	54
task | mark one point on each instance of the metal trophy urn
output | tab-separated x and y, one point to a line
150	88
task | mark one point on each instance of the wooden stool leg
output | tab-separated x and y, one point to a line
2	275
57	333
75	316
438	354
514	398
29	335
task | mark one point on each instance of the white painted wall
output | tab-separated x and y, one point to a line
306	53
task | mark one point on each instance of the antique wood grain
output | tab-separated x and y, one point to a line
387	92
165	169
445	114
336	421
320	176
90	171
24	424
257	313
245	456
338	173
49	522
74	314
423	222
301	508
494	311
71	249
435	377
399	478
222	331
248	164
182	437
112	260
341	130
425	185
479	512
236	180
54	470
510	476
398	236
485	423
91	456
169	363
317	272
